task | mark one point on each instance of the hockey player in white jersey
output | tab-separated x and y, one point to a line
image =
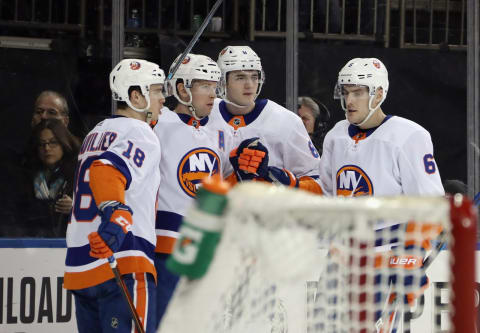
191	151
117	181
293	159
371	153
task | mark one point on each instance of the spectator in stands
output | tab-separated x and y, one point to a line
13	166
50	104
315	117
48	186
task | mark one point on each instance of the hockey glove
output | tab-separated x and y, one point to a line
98	247
250	160
281	177
116	223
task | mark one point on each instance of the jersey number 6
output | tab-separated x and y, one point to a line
429	163
84	207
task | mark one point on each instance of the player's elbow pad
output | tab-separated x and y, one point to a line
107	183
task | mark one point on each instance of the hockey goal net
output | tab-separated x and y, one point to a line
293	262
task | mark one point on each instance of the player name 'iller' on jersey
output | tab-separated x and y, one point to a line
130	146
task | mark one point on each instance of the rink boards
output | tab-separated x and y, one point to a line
32	299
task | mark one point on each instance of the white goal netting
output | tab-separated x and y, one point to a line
289	261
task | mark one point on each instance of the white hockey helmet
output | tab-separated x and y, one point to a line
134	72
238	58
193	67
369	72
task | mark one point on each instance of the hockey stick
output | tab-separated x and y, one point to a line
195	38
113	265
476	199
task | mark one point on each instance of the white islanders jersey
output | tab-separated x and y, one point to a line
279	129
395	158
191	151
133	149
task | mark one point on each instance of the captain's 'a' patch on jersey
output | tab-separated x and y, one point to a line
352	181
194	166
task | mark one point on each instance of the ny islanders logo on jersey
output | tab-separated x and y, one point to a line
352	181
194	166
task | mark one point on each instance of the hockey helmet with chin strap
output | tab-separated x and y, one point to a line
193	67
238	58
368	72
134	72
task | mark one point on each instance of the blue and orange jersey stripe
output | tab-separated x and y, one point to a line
99	274
83	271
167	225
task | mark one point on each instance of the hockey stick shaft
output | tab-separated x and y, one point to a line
195	38
441	243
392	308
126	295
476	199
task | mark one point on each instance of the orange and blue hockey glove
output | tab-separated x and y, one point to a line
98	247
116	223
250	160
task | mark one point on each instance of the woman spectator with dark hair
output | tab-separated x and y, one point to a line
50	166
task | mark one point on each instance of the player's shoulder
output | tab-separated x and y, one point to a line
120	124
216	102
128	129
341	125
167	115
273	106
215	113
281	114
136	126
131	128
403	126
400	132
167	123
340	128
216	106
